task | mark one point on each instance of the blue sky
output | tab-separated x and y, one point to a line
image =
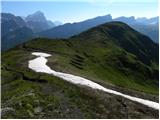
79	10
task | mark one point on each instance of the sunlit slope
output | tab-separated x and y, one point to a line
111	53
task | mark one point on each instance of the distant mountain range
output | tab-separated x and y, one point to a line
16	30
142	21
68	29
146	26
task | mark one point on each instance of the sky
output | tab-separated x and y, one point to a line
79	10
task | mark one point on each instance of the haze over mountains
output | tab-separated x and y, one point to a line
38	22
14	31
36	25
146	26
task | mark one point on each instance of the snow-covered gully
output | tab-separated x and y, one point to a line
39	65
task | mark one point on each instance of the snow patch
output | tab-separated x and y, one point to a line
39	65
41	54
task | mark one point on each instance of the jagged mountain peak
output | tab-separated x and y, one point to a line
39	12
37	16
130	19
38	22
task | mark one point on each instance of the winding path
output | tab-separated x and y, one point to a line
39	65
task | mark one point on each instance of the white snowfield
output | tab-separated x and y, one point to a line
39	65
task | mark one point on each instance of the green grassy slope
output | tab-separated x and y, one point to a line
94	54
26	94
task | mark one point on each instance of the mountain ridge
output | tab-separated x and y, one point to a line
68	29
77	27
120	43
